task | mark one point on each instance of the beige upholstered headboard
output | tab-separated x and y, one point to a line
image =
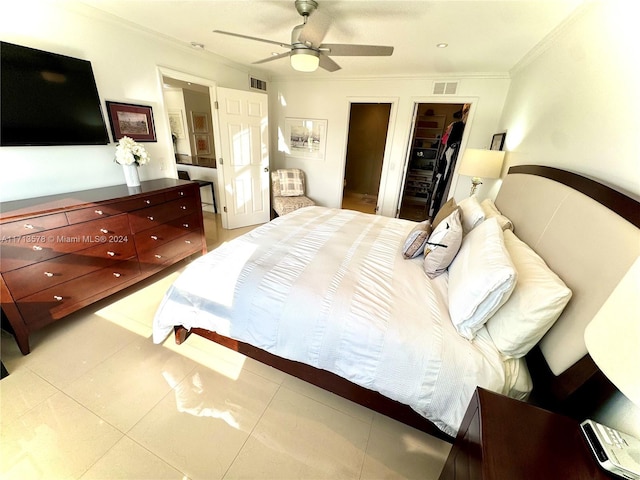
587	233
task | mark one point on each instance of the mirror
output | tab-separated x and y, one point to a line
189	110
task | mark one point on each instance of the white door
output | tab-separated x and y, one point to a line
245	157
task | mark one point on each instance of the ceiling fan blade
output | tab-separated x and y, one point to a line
328	64
285	45
346	50
315	28
272	57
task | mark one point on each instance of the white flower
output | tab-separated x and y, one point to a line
128	152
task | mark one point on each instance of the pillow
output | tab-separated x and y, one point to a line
536	303
490	210
444	212
291	182
472	213
414	244
481	278
443	245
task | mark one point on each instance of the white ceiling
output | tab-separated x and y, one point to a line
484	36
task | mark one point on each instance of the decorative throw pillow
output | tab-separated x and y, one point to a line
472	213
535	304
444	212
490	210
481	278
443	245
414	244
291	182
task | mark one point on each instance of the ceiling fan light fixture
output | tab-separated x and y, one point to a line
305	60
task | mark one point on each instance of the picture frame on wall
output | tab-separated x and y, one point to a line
199	122
175	123
497	141
305	138
131	120
202	144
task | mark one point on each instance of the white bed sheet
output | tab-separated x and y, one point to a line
330	288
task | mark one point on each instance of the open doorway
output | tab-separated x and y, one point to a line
367	138
435	142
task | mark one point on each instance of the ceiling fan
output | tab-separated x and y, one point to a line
306	49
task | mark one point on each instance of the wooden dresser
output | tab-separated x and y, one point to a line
63	252
502	438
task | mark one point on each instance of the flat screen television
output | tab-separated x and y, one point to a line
48	99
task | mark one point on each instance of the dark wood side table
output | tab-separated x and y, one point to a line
505	439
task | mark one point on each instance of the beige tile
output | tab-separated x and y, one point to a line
124	387
127	460
20	392
330	399
66	350
200	426
396	450
56	439
298	437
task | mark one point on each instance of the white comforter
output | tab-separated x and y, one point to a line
331	289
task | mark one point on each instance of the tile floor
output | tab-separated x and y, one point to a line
96	399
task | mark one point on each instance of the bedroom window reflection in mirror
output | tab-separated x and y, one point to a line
190	119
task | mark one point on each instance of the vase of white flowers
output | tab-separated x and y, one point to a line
131	155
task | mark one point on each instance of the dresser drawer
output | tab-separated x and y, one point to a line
179	247
9	230
186	191
34	248
39	276
153	216
58	301
156	236
102	210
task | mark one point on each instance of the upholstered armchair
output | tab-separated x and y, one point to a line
288	189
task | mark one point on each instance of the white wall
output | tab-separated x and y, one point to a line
576	105
330	100
125	61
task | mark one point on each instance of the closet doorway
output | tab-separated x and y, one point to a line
367	138
435	142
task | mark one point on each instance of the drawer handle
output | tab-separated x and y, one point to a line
182	207
185	225
48	274
188	242
182	194
157	256
148	202
111	254
104	230
150	218
154	237
117	275
57	298
98	212
28	226
37	248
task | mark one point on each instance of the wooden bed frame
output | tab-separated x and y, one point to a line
555	392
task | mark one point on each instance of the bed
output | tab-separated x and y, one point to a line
326	295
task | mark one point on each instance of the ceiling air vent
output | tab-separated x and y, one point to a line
258	84
445	88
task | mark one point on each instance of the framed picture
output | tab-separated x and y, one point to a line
133	121
497	141
202	144
305	137
175	123
199	122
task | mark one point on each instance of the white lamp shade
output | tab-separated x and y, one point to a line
481	163
613	336
305	60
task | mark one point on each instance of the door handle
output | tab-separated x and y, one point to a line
266	169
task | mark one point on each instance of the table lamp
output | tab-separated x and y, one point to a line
480	164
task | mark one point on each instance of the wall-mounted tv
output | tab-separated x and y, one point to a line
48	99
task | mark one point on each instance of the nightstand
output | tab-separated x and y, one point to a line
505	439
